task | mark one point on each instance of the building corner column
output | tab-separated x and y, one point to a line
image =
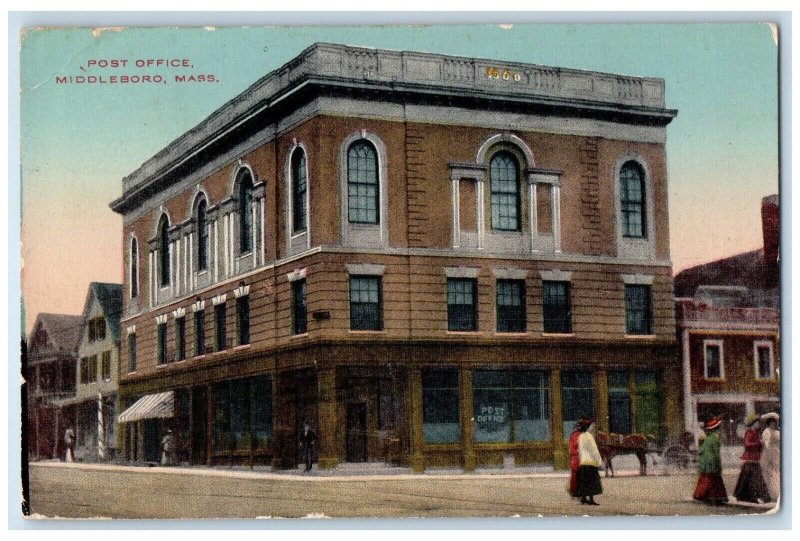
326	419
560	458
466	415
601	384
416	460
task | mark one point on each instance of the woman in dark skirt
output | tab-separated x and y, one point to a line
710	488
751	486
589	468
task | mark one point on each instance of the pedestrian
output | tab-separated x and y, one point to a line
574	461
69	443
771	455
710	488
307	443
751	486
589	464
167	447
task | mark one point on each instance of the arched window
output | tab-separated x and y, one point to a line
202	236
163	248
504	180
362	183
299	190
245	182
134	267
632	200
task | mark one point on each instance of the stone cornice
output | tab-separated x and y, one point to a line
326	68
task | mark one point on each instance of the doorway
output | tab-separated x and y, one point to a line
199	425
152	441
356	432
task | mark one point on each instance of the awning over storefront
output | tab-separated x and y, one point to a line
152	406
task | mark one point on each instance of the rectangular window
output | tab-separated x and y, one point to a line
648	403
97	329
365	303
510	406
84	370
220	333
161	330
556	307
713	360
638	312
132	352
180	338
93	369
299	315
619	402
106	366
243	319
242	414
199	333
577	397
510	299
440	406
764	360
462	296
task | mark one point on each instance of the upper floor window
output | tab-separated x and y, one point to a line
245	182
97	329
362	183
632	200
764	360
180	338
106	365
243	319
219	327
202	236
510	300
299	310
89	369
556	307
299	191
504	185
163	248
462	296
365	303
713	360
638	312
132	352
161	338
199	332
133	262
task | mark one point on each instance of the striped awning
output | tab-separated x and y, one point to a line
151	406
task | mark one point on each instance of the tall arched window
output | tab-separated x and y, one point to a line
202	236
134	267
504	180
362	183
632	200
163	248
299	191
245	182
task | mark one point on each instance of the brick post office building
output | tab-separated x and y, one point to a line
436	261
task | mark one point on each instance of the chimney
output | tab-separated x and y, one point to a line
770	221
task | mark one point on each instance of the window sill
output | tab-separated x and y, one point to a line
179	362
297	235
196	357
640	336
364	331
715	380
161	366
558	335
244	255
220	352
772	379
241	347
305	334
462	332
511	333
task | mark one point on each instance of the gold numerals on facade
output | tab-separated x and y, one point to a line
504	74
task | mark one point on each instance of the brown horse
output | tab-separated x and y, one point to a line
611	445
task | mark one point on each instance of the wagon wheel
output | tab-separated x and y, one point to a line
676	456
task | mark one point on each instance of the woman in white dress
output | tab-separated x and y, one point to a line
771	455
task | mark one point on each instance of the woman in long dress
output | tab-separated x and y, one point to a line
751	486
710	488
589	468
771	455
574	461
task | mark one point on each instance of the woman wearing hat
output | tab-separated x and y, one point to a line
771	455
751	486
710	488
574	459
589	465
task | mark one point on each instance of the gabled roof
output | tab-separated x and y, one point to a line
109	297
747	269
63	330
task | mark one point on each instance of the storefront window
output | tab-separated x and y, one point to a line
261	410
242	414
491	397
531	405
619	402
648	403
577	397
510	406
440	406
221	405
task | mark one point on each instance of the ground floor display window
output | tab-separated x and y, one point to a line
577	398
619	402
648	403
510	406
440	406
242	414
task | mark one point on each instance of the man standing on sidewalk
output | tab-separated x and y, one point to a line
307	442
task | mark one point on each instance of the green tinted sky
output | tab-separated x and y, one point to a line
79	141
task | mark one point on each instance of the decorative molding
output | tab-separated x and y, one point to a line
131	329
461	272
161	319
637	279
241	291
198	306
509	273
179	313
364	269
295	275
218	299
555	275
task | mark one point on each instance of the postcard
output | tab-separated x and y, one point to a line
400	271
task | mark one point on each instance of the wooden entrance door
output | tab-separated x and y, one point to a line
356	433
